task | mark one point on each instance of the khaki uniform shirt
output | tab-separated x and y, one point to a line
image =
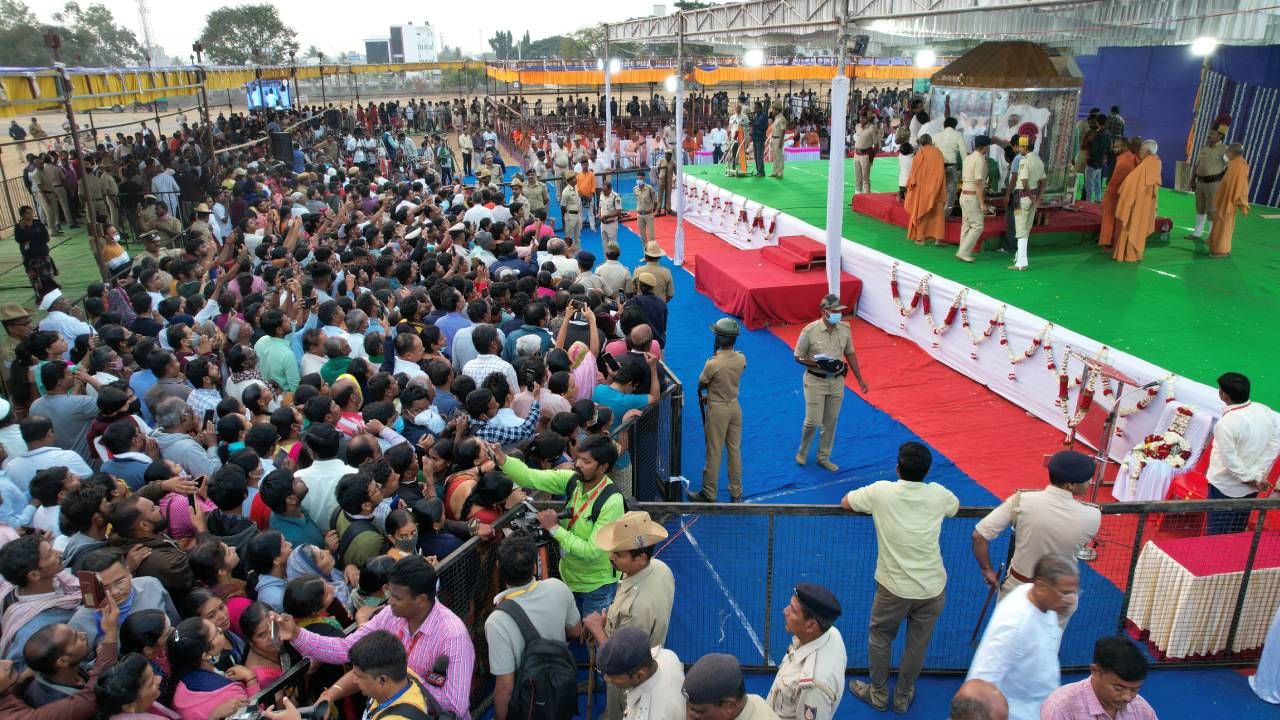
569	199
49	179
866	136
810	680
646	200
756	709
147	218
974	173
665	288
664	172
722	374
560	160
816	339
778	128
615	275
92	188
7	346
644	601
1212	160
661	696
1030	172
536	194
610	204
168	228
200	229
1048	521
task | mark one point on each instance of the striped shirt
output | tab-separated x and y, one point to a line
442	633
1077	701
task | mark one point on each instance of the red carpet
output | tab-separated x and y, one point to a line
886	208
743	283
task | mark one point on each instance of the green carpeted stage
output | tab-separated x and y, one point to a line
1179	309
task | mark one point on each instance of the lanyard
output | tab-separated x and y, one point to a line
372	711
585	504
521	591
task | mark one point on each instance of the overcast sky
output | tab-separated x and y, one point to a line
337	27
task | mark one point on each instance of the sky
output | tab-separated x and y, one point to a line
337	27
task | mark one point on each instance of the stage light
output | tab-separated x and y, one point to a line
615	66
753	57
1204	46
599	64
671	83
926	58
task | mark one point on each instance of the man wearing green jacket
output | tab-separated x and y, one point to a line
593	502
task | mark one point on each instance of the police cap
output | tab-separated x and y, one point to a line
626	650
818	601
713	678
1069	466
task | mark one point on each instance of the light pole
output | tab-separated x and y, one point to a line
678	185
609	66
835	172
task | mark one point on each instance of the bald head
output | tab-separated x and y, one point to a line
1235	150
640	337
979	700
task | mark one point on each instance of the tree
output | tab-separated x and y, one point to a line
21	36
313	51
446	52
92	38
501	42
231	32
525	46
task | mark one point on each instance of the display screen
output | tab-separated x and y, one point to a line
268	94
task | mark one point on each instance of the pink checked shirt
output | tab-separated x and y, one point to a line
441	634
1077	701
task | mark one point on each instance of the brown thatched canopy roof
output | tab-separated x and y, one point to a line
1014	64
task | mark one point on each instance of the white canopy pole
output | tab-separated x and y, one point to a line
835	173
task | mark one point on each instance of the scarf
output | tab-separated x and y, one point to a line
250	374
65	596
333	368
300	563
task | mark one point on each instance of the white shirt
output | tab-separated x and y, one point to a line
1019	654
951	144
322	483
67	326
408	368
482	366
1245	443
718	136
477	213
660	697
22	468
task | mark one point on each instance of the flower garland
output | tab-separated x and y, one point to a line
758	221
1170	447
1042	340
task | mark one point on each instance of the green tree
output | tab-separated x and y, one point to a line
446	52
501	42
92	38
21	36
231	32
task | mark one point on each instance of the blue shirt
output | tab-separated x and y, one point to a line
449	326
17	509
445	403
618	401
141	382
298	531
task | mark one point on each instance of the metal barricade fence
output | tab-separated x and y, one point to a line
652	445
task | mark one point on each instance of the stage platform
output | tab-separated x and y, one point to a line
1084	219
1177	309
745	283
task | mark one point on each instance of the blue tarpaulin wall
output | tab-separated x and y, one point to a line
1155	88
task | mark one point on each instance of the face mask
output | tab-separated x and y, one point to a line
116	237
398	426
116	364
408	544
833	318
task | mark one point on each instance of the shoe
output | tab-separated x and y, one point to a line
1193	236
1006	252
74	227
1015	267
759	174
901	704
828	465
962	258
862	691
698	497
801	459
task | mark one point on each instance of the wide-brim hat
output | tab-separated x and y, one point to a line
654	250
13	311
203	209
725	326
632	531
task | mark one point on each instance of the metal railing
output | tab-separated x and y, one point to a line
653	441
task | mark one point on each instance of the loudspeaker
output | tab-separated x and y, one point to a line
859	44
282	146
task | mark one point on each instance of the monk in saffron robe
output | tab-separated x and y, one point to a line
1126	161
1136	206
1232	193
926	194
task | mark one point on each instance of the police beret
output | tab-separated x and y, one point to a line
713	678
1069	466
586	257
626	650
981	141
818	601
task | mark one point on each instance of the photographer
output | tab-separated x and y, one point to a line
380	672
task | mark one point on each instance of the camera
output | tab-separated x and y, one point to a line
319	711
526	523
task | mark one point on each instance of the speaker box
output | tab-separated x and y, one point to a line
282	146
859	44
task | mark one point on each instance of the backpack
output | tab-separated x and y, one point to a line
546	683
606	492
408	712
356	527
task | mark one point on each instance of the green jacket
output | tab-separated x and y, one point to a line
583	565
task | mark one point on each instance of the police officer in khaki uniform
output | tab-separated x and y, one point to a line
53	195
200	226
722	415
646	205
714	690
1211	166
571	208
777	132
535	193
825	349
93	188
665	169
645	593
810	681
610	211
17	327
1052	521
665	287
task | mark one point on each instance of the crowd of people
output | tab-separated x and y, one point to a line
259	439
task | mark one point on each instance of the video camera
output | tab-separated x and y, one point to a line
319	711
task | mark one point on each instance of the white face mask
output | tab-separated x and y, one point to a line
116	237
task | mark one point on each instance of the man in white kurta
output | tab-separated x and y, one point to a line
1019	649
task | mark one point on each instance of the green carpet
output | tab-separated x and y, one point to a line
1177	309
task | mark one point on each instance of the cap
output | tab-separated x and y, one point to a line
647	278
981	141
353	170
725	326
240	172
517	181
714	677
632	531
13	311
203	209
626	650
818	601
50	298
1069	466
832	302
1024	141
459	227
653	250
586	257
